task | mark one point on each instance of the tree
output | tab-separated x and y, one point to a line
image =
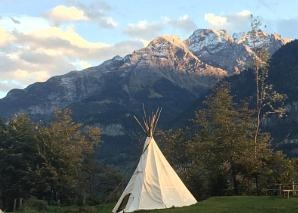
53	162
18	160
215	156
268	101
224	137
223	145
65	151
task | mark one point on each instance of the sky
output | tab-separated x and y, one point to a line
41	39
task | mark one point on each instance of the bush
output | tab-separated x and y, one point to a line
36	204
82	209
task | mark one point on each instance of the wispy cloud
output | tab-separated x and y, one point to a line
97	12
146	30
236	22
184	23
6	38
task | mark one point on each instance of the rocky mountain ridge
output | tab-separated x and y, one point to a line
195	65
168	72
232	53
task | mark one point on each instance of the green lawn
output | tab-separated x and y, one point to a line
233	204
241	205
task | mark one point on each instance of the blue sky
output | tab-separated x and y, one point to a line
40	39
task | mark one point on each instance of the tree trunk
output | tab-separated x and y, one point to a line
257	183
20	202
235	183
84	198
257	131
14	205
234	180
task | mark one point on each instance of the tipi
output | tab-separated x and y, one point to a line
154	184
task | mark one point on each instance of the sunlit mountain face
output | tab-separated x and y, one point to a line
169	72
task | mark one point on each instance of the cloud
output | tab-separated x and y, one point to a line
237	22
59	37
107	22
95	12
144	29
216	21
30	66
121	48
6	38
6	85
184	23
63	13
288	27
34	55
54	41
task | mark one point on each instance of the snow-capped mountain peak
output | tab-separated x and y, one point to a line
206	38
260	39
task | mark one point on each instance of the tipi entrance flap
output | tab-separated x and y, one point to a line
123	203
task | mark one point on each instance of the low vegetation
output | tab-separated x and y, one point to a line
231	204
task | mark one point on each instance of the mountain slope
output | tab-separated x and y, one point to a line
169	73
160	60
231	53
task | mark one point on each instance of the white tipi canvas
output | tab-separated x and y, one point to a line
154	184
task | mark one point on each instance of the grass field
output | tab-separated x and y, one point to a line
233	204
241	204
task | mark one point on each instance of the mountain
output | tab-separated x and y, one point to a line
284	76
231	53
165	58
169	72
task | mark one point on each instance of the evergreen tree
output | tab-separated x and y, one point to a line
18	160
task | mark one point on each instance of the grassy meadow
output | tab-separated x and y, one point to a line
231	204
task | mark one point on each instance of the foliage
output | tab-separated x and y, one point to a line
54	162
268	100
63	149
35	204
216	155
18	159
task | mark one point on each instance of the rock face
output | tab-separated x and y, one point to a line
169	72
165	58
194	65
231	53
